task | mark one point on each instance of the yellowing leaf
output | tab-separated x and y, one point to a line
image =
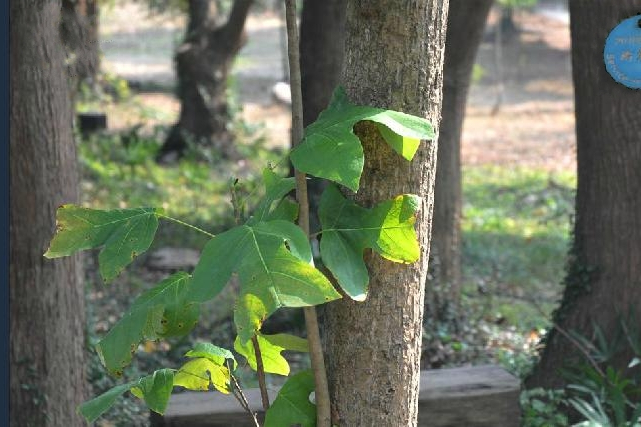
199	373
348	229
214	353
271	347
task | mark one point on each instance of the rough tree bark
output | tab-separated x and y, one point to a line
393	59
203	62
466	22
321	57
46	296
607	230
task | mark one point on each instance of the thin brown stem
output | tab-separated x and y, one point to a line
323	414
260	370
240	396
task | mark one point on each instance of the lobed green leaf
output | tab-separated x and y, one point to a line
292	406
348	229
154	389
331	150
271	276
163	311
123	234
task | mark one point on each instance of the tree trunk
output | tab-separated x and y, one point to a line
203	62
393	59
508	26
79	32
466	22
321	56
46	296
604	270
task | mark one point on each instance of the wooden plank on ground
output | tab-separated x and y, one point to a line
478	396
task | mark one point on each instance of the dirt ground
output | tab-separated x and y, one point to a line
520	112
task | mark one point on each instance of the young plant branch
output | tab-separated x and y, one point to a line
323	414
240	396
260	370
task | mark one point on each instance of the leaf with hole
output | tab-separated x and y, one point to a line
292	406
331	150
271	347
122	233
348	229
271	275
163	311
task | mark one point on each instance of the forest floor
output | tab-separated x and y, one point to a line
518	150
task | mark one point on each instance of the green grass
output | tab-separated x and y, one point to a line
195	189
516	225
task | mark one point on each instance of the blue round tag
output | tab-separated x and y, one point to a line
622	53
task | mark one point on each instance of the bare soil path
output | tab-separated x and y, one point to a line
533	125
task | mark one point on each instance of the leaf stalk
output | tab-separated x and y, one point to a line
193	227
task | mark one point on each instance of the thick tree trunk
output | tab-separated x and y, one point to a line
46	296
466	22
203	62
79	31
321	57
393	59
604	273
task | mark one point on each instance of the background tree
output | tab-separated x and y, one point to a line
79	32
506	22
466	22
604	271
321	57
203	62
46	296
321	53
393	59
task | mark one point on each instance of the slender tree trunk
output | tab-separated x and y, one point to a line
508	26
321	57
604	270
203	62
466	22
393	59
46	296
